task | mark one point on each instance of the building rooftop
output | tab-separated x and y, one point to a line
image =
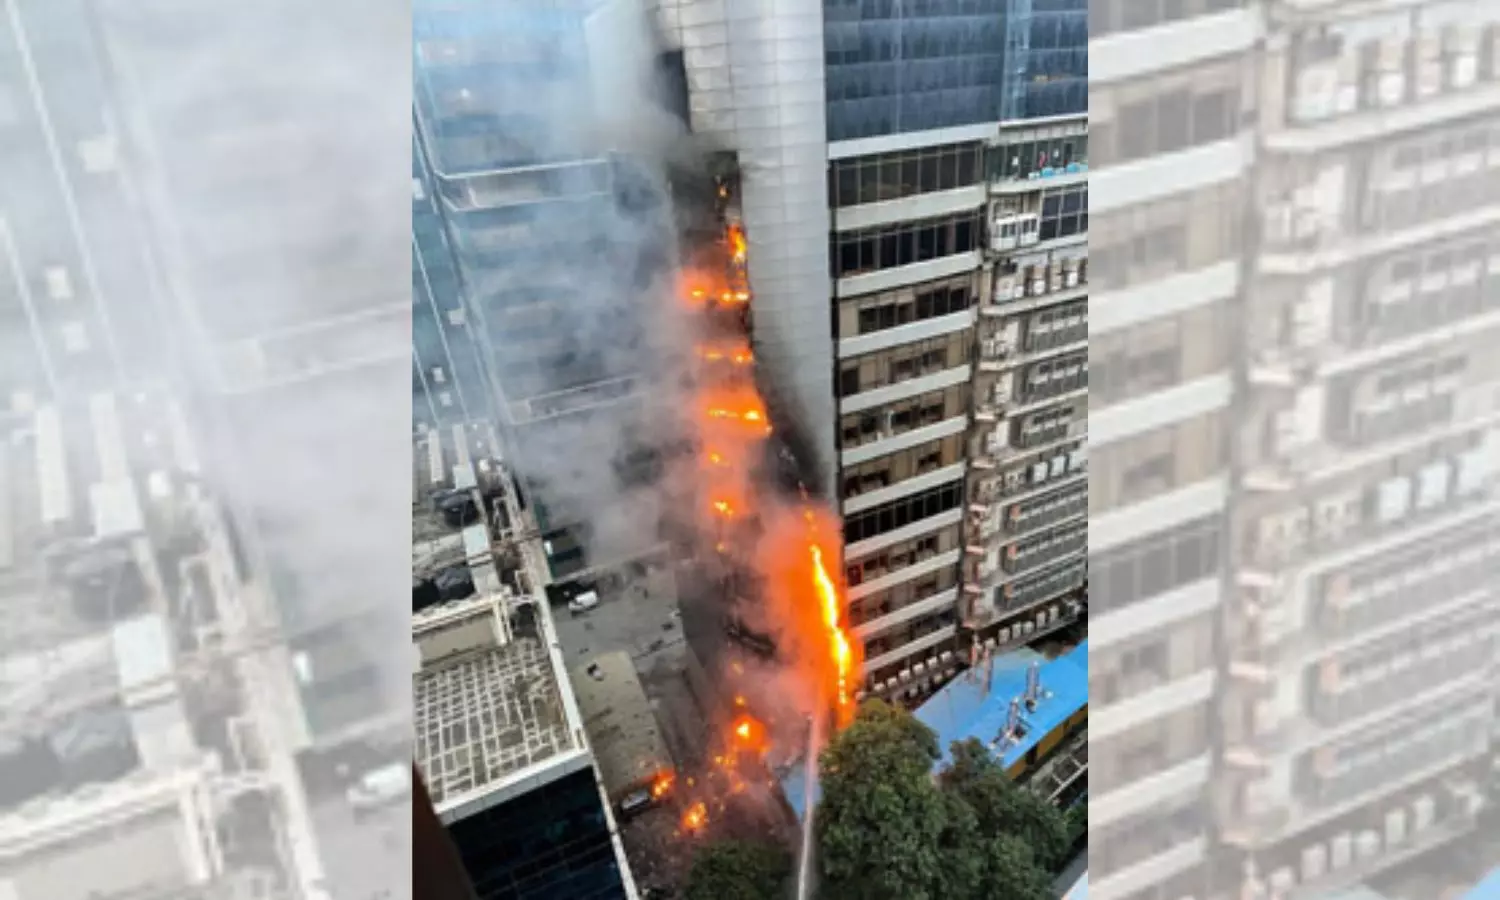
620	722
486	715
490	705
95	500
973	706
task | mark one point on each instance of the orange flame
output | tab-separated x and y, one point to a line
695	817
737	244
739	354
843	655
662	785
749	732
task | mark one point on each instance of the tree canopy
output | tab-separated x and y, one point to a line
1005	808
738	870
888	830
881	824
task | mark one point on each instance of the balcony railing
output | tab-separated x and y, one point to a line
1382	88
1310	544
1039	513
1336	707
1016	287
1446	576
1068	765
1423	312
1033	391
1371	428
1434	749
1039	553
1038	341
1037	437
1020	595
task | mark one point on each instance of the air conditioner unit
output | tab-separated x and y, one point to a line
1429	66
1315	93
1000	392
59	284
1314	862
1390	88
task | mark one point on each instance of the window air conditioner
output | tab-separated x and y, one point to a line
1429	66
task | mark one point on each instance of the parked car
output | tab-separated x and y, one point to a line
378	787
583	603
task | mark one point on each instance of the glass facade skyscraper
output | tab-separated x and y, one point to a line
898	66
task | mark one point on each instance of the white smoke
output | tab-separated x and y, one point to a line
602	310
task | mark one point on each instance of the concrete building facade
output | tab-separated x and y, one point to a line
884	134
1172	145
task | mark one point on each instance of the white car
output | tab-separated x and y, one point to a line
583	603
378	787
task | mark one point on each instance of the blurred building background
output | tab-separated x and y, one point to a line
1172	102
200	338
1298	201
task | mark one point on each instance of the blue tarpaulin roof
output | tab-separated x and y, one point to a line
1488	889
963	709
968	708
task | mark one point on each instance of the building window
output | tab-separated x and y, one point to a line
1157	462
1195	108
887	247
892	176
903	512
1020	160
895	558
906	633
902	416
903	363
1065	212
1154	564
1182	233
1146	834
896	467
891	309
1114	16
900	596
1148	747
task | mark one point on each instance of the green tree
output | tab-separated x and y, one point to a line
888	830
1011	871
738	870
1001	807
884	831
1078	822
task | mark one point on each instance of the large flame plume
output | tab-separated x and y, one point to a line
790	545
